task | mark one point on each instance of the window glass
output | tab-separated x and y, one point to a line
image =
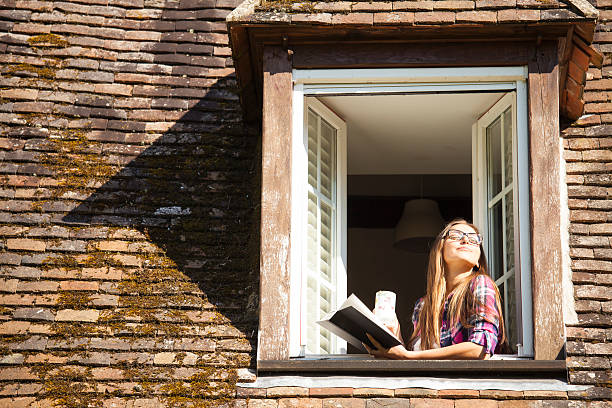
499	143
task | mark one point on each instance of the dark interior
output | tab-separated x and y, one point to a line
373	263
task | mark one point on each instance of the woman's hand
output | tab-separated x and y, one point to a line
398	352
461	351
394	328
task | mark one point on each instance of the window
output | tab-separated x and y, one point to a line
499	173
284	86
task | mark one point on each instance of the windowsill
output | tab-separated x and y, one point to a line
365	365
360	371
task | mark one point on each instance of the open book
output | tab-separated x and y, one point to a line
353	320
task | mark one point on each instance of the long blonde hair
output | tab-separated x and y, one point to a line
463	303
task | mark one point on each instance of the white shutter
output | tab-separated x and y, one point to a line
321	232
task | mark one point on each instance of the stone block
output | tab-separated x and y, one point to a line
431	403
539	394
344	403
286	392
70	315
434	17
321	18
244	392
476	16
79	285
299	403
373	392
353	18
416	392
423	5
480	403
387	402
397	17
25	244
262	403
331	392
35	313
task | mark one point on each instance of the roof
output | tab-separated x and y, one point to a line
256	22
413	12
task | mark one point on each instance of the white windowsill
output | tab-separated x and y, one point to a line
435	383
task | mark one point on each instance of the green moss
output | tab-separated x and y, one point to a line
77	330
74	300
48	40
45	72
200	390
69	387
67	262
154	297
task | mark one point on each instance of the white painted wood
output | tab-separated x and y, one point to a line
520	182
435	383
298	204
524	249
411	75
381	81
400	88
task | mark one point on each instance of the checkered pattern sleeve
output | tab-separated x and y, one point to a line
485	319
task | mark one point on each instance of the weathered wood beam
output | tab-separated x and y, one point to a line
544	163
415	54
275	206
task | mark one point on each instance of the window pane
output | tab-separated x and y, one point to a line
509	232
508	146
500	216
496	240
511	325
494	157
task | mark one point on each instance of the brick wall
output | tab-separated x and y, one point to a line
128	235
126	200
588	155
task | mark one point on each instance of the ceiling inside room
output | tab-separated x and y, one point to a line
410	134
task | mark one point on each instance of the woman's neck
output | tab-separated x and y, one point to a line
454	275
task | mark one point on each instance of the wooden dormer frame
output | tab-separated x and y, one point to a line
266	54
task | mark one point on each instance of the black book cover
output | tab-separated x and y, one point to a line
353	320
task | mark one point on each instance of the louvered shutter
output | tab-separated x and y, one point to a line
321	233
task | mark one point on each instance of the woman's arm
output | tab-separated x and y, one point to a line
461	351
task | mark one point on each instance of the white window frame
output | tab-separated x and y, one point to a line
399	81
520	187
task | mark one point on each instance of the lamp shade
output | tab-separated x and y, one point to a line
421	222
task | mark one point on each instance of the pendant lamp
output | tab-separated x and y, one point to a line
420	223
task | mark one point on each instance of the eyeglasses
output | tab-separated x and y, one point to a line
472	237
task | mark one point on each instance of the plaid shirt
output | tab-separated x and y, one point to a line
485	319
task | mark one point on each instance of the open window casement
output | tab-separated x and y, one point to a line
319	180
501	210
499	146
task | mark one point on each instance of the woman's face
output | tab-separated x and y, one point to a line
461	251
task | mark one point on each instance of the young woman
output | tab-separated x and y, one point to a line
460	315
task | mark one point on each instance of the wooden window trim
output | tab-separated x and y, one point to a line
537	368
544	164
